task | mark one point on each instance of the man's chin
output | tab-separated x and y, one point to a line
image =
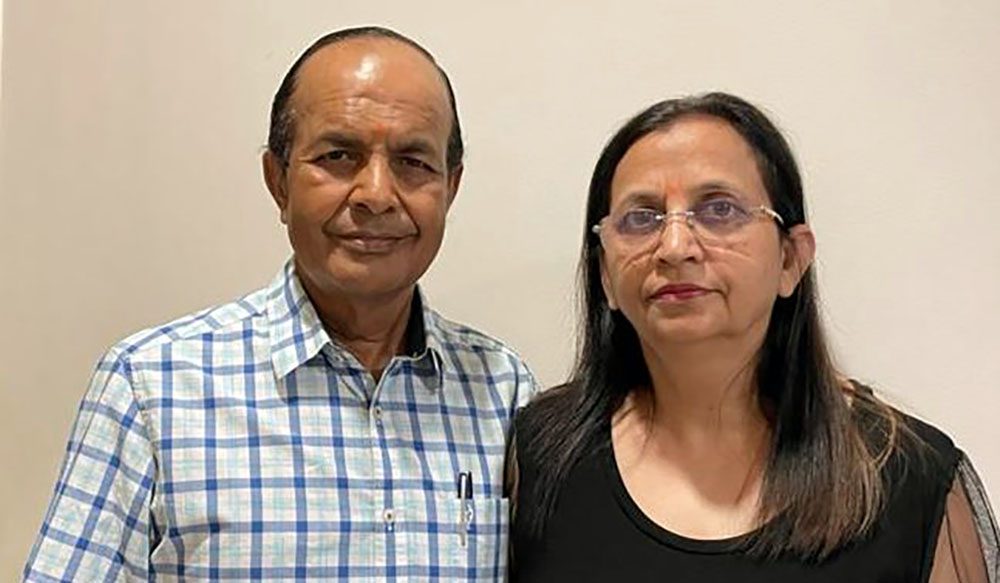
362	279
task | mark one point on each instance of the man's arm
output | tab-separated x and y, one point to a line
97	527
527	385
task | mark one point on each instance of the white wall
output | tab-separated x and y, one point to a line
131	188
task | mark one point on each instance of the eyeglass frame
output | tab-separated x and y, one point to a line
665	216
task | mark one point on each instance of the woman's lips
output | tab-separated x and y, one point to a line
678	292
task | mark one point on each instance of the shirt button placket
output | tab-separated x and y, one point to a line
389	518
389	513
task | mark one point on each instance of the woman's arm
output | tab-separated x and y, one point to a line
967	545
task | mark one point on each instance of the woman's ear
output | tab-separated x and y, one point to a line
609	291
798	251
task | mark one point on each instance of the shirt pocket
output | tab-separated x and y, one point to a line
436	547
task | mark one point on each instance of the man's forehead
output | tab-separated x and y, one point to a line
385	70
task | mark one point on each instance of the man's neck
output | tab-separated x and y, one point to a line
372	329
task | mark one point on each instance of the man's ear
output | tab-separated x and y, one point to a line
274	177
798	252
606	284
454	179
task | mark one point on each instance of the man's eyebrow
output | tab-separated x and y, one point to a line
416	146
340	139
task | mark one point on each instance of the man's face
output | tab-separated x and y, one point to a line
366	188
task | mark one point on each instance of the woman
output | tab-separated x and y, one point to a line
705	434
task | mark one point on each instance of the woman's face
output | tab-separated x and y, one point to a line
688	283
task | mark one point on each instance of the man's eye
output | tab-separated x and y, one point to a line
416	163
335	156
339	157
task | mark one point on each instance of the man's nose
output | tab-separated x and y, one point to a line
375	188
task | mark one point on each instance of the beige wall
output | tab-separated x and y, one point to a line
131	191
1	52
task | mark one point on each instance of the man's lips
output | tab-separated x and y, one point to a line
367	242
369	235
676	292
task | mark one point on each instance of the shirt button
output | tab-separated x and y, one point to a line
389	517
377	412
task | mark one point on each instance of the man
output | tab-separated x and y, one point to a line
330	425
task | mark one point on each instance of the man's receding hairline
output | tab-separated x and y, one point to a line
292	110
281	132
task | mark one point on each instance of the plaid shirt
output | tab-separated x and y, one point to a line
240	443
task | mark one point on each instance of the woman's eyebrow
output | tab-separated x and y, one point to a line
646	197
717	186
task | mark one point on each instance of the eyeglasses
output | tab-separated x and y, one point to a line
712	221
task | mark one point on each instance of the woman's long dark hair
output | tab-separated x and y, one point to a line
823	483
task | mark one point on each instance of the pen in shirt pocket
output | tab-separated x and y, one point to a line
465	506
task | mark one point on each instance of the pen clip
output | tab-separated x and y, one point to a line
465	485
465	509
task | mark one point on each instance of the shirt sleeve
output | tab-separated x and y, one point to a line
527	388
98	524
966	550
527	385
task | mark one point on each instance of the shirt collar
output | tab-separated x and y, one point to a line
425	338
297	333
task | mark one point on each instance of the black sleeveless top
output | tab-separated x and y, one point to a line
598	533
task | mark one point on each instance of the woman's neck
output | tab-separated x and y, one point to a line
692	448
705	394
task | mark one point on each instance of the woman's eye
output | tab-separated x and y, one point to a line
638	220
719	211
721	208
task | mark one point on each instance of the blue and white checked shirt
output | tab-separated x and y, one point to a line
240	443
